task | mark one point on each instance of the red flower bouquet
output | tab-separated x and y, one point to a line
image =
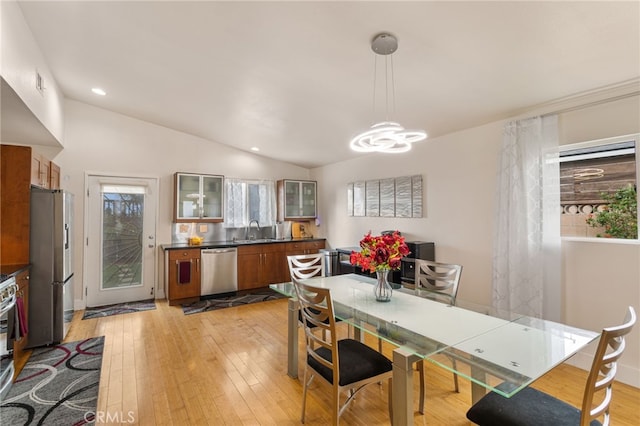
380	253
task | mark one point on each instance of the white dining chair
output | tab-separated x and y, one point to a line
531	407
345	364
437	281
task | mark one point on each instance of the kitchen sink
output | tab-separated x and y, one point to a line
258	240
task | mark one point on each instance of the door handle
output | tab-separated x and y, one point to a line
151	246
66	236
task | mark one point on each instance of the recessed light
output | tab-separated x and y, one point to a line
98	91
255	149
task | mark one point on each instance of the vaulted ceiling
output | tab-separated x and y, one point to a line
296	79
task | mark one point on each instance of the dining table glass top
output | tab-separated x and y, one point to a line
501	351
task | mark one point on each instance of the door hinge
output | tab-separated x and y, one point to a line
152	291
87	192
86	291
87	240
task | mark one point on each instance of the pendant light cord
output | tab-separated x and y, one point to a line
388	65
393	89
375	77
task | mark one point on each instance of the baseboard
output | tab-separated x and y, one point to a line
79	304
626	374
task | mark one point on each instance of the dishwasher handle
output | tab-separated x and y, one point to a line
218	250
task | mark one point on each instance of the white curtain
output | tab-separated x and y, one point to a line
246	200
526	258
235	194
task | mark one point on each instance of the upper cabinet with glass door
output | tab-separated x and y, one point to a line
198	198
296	199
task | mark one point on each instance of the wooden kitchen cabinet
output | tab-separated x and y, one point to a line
40	170
260	265
15	199
296	200
183	276
20	168
21	355
304	247
198	198
54	176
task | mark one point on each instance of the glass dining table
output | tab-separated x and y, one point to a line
498	351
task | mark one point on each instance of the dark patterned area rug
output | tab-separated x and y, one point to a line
58	386
119	308
228	301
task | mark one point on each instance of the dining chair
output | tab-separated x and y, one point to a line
437	281
531	407
344	364
303	266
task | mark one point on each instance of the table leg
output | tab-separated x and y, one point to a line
403	360
292	338
477	391
357	332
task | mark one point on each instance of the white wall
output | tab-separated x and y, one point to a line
21	57
460	171
601	278
97	140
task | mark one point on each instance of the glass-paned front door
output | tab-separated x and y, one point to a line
119	249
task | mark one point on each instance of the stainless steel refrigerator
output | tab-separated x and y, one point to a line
51	256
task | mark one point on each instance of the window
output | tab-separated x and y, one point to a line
591	173
247	200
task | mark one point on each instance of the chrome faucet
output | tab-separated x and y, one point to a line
249	228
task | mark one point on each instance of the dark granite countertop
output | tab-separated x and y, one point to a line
348	250
11	270
237	243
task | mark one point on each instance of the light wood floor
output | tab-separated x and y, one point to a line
228	367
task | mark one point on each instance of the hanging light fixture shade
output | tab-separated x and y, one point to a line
386	136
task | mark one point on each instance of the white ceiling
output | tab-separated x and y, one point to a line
296	78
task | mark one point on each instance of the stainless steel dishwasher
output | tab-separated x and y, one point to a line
219	270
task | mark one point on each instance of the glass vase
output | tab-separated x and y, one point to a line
382	289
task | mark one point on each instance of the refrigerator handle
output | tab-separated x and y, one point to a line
66	236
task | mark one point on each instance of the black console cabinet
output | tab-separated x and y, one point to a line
406	274
419	250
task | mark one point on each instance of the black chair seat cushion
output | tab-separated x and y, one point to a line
529	407
357	362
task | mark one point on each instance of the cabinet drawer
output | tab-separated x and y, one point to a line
260	248
184	254
305	245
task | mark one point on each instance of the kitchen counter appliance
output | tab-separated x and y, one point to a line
51	276
219	271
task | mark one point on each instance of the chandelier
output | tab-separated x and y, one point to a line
386	136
